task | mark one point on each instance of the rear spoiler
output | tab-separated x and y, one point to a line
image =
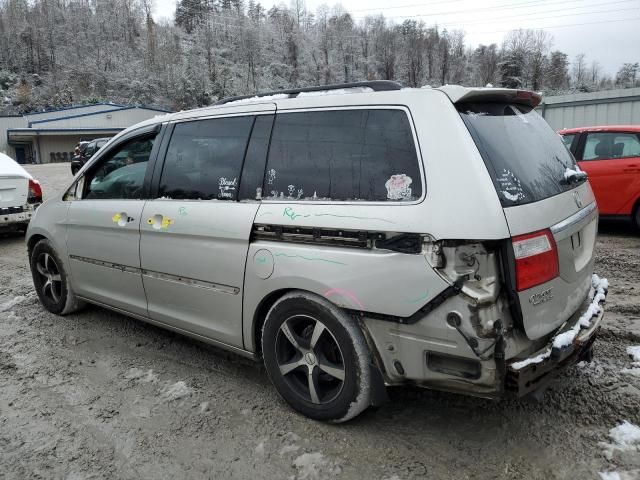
458	94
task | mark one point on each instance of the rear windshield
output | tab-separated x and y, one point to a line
527	160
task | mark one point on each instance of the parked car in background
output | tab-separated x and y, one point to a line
20	194
611	157
350	237
87	150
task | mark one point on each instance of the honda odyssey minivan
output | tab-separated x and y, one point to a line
351	237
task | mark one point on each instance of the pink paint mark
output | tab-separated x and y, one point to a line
345	293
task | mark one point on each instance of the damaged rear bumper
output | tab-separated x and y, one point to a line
530	374
10	216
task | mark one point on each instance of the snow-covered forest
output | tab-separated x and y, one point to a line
60	52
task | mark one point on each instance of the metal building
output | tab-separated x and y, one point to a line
44	137
608	107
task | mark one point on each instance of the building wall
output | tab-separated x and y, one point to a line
609	107
5	124
65	112
58	145
112	119
72	121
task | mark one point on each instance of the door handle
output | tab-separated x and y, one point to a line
159	222
122	219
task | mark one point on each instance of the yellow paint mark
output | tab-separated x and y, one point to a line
150	221
166	222
116	218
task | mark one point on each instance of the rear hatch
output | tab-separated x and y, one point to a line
547	202
14	183
14	191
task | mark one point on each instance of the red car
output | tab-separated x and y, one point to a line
611	157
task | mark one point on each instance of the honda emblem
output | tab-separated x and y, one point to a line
578	200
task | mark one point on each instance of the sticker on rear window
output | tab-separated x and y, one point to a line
399	187
510	186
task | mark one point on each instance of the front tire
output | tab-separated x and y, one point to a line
51	281
317	358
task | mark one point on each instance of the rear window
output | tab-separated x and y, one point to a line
343	155
525	157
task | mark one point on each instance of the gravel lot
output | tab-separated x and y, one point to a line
99	395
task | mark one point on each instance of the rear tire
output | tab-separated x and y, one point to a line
317	358
51	281
635	218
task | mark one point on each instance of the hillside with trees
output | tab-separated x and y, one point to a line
60	52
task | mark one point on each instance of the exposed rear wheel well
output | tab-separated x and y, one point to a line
261	315
32	242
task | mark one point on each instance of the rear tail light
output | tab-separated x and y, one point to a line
536	259
35	192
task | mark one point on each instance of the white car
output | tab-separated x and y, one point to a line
20	194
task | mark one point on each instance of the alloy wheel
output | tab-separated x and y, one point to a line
310	359
49	273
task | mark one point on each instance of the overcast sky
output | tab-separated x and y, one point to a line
606	31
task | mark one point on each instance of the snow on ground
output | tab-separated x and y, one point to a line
624	438
634	353
313	466
175	391
12	303
143	376
632	475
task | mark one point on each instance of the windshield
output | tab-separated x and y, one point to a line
527	160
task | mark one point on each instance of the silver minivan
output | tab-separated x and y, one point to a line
351	237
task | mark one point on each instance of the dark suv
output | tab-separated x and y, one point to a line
87	150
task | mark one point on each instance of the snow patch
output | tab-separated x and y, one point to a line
632	475
634	353
570	173
598	293
288	449
12	303
266	98
259	450
337	91
143	376
609	476
313	466
625	437
175	391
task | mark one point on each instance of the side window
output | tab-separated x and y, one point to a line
120	174
626	145
568	139
343	155
611	145
204	159
256	158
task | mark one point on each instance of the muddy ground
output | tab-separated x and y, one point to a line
99	395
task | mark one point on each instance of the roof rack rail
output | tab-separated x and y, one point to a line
375	85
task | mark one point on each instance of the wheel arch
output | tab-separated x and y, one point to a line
260	315
31	242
